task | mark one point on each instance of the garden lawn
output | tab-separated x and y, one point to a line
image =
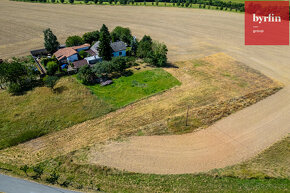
126	90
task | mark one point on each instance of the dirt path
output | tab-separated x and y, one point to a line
229	141
189	33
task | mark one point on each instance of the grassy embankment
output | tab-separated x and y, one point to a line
41	111
268	172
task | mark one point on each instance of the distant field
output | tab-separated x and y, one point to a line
126	90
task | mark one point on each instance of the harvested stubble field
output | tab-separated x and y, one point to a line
210	80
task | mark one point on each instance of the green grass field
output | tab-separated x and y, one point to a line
126	90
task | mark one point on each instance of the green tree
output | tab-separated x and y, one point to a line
86	1
62	1
74	41
104	49
96	1
121	33
71	1
50	81
103	69
144	47
156	2
50	41
90	37
158	55
119	64
52	67
16	76
86	75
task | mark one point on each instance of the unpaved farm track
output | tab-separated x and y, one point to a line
189	33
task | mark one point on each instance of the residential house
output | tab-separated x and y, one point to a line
70	54
119	48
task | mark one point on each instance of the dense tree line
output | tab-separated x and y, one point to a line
208	4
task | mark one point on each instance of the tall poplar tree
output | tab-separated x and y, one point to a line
105	50
50	41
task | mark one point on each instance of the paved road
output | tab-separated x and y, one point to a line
14	185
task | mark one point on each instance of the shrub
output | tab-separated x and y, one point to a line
50	81
15	88
52	67
96	1
62	1
74	41
38	169
86	1
71	1
86	75
53	178
83	54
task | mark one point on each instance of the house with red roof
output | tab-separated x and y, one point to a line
70	54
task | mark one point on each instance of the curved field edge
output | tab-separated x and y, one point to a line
91	178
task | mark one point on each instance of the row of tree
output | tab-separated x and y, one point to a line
218	4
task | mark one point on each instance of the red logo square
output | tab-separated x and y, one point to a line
267	22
